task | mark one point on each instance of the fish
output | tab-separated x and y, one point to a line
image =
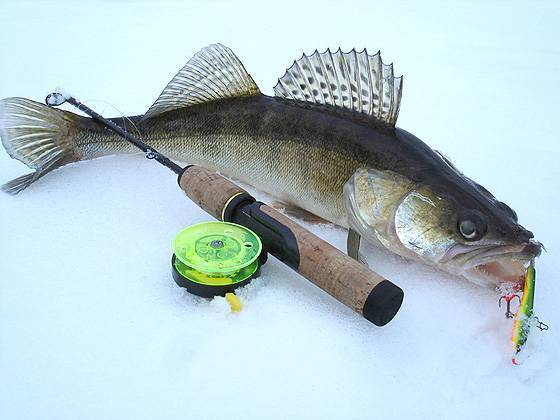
326	142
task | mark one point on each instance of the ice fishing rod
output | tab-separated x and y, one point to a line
344	278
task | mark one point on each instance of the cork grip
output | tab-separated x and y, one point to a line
327	267
209	190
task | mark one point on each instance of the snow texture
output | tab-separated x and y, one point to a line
92	325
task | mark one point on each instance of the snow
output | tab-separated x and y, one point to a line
92	325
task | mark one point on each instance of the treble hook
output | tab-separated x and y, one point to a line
508	299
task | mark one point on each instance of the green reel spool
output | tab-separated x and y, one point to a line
214	258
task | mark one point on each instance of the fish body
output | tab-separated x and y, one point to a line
317	144
302	155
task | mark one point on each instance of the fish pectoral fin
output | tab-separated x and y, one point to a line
214	73
352	81
353	246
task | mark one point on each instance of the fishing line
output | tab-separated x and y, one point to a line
123	117
60	97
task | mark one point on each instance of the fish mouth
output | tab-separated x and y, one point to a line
494	265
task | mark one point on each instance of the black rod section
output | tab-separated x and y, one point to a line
56	99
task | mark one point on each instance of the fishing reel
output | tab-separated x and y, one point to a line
214	258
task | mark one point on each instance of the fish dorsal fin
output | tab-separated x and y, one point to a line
355	81
213	73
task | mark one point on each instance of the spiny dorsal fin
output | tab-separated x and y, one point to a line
354	80
213	73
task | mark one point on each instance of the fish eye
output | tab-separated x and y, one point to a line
471	227
467	228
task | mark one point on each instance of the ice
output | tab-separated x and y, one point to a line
92	325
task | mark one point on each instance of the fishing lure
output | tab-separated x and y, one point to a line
524	317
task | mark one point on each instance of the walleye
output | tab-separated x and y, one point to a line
326	142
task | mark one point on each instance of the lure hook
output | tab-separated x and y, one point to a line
508	298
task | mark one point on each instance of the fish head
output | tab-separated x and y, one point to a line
458	228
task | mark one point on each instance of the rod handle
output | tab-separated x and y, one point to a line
345	279
209	190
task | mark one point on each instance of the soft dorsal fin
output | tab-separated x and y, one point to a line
213	73
354	81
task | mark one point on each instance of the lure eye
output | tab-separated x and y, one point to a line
472	226
467	229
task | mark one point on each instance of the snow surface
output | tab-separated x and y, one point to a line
92	325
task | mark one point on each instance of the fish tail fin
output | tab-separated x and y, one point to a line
39	136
